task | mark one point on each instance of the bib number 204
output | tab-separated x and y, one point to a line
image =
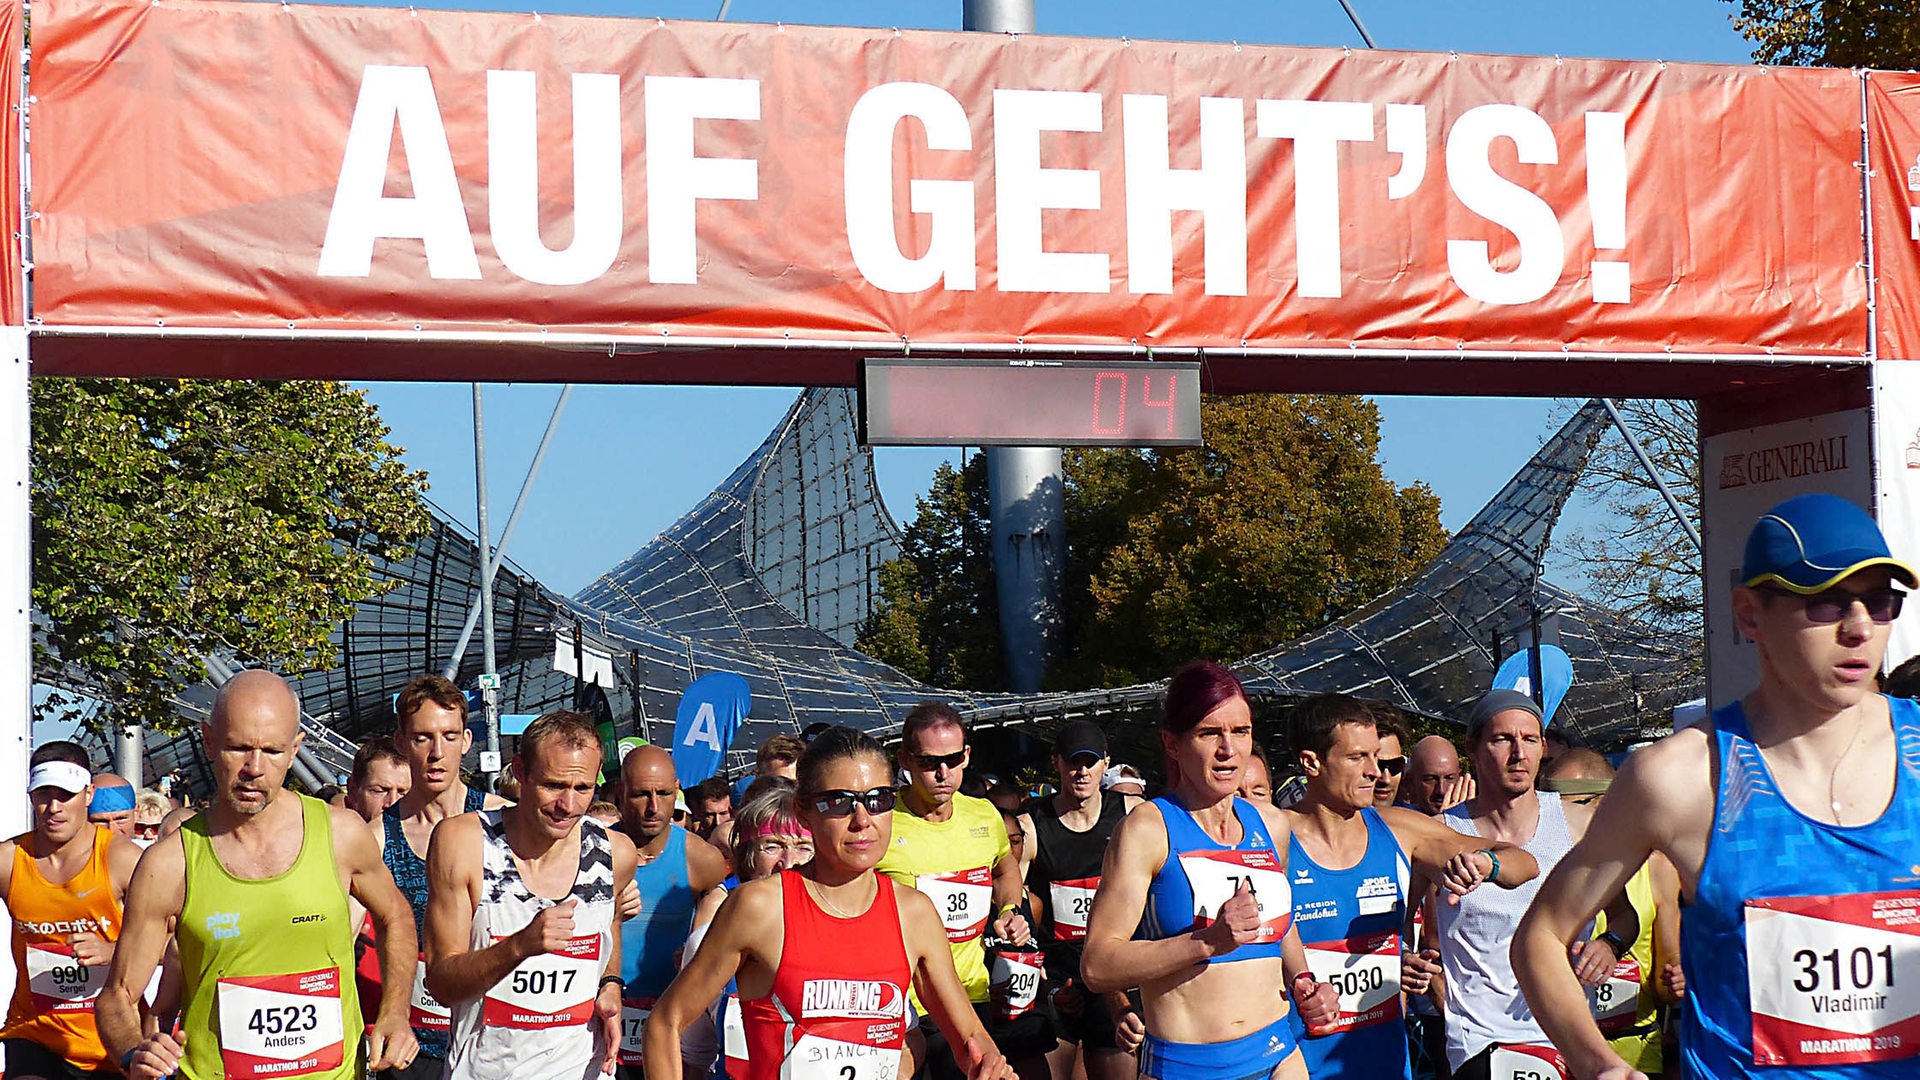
283	1020
1860	966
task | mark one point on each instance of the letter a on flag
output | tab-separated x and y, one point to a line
710	712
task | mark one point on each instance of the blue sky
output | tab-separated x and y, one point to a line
629	459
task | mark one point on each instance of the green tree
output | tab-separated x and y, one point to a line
1280	524
1833	33
176	518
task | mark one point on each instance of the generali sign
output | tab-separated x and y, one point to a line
217	165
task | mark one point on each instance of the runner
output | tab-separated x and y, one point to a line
521	941
1433	777
953	848
64	884
675	870
379	779
1256	780
1391	724
1627	1006
1432	786
824	954
430	730
255	890
1490	1030
112	805
1202	875
1808	785
1349	871
1067	835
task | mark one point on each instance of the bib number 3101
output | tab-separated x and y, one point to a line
1834	980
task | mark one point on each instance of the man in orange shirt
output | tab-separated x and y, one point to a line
64	884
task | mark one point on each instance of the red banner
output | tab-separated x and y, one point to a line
1893	131
230	166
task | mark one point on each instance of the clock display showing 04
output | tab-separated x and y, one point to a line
1024	402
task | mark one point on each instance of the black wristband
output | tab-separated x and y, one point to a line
1614	942
614	979
126	1060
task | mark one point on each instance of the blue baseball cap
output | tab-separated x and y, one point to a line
1810	542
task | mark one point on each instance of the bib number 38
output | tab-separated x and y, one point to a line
1834	980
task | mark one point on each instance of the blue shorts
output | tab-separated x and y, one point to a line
1250	1057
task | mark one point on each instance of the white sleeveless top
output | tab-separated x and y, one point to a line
540	1020
1484	1003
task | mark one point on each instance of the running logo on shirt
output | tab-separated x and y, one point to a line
852	999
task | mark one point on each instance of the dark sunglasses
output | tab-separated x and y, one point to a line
1883	605
1394	765
839	802
931	762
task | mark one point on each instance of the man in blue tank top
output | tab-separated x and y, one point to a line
1793	819
1350	877
675	869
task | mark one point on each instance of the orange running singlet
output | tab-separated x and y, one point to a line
53	992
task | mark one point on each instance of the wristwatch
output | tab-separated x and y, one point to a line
1613	940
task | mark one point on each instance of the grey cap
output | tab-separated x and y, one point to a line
1495	702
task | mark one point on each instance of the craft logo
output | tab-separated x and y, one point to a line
1788	461
869	999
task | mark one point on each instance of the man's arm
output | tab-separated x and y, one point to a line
1009	888
1027	849
1634	819
155	896
1433	849
1113	960
457	972
939	988
706	867
1671	983
390	1042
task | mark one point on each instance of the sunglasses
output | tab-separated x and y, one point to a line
1394	765
839	802
1883	605
934	762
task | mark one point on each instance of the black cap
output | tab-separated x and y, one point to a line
1495	702
1080	737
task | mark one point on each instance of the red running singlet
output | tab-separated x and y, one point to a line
838	1008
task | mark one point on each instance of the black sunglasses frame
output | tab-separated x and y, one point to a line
839	802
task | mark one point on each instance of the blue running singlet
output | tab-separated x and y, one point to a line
651	941
431	1021
1802	942
1200	875
1350	922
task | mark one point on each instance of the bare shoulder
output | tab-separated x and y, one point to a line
122	856
1141	838
759	901
490	801
706	864
176	818
1669	784
626	857
1410	824
160	876
454	838
1278	822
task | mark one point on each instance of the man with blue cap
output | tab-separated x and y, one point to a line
1793	819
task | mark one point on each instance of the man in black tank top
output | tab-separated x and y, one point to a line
1067	837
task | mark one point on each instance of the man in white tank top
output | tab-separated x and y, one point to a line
1490	1030
521	935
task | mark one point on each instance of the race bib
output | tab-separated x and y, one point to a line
1526	1061
1072	907
1216	876
818	1058
1615	1004
1365	972
281	1025
1834	980
633	1025
963	899
549	990
58	982
424	1011
733	1038
1017	975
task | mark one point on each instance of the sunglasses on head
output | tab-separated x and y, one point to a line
932	762
839	802
1831	606
1394	765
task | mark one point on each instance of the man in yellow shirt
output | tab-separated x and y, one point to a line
953	848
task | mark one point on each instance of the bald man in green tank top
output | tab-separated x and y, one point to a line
255	888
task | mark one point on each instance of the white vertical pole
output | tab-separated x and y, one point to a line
16	568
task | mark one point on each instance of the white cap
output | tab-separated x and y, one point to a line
1122	774
64	775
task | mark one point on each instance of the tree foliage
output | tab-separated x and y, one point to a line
1280	524
177	518
1640	561
1833	33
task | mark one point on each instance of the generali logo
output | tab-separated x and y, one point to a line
864	999
1787	461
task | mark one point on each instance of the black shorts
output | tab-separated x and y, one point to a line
26	1058
1090	1025
1030	1036
425	1067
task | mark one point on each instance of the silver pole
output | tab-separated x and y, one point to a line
997	16
1354	17
513	520
488	694
129	754
1653	474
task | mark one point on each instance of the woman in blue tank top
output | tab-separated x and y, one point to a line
1202	876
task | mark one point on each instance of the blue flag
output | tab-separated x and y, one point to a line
1556	678
710	714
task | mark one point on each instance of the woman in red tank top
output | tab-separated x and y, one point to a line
825	954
